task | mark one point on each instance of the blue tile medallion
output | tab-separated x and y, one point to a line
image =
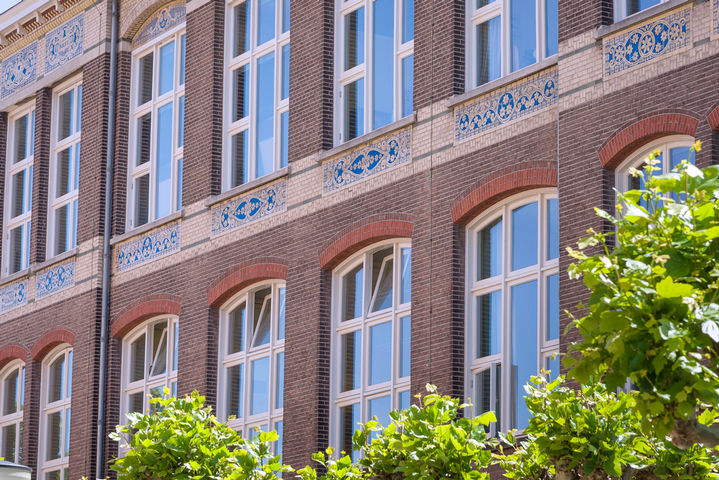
367	161
247	208
505	105
19	69
147	247
13	296
715	16
653	39
55	279
64	43
163	20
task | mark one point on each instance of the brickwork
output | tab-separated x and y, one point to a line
10	353
578	16
3	164
242	276
41	169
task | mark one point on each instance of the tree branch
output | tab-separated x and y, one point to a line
688	432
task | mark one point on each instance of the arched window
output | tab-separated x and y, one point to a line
149	364
157	112
252	360
371	318
512	307
12	400
55	411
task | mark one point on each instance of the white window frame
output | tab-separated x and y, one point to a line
10	170
14	418
620	9
637	158
61	464
250	57
152	106
269	419
74	141
492	10
504	282
365	69
396	385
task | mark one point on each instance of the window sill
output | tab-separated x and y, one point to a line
500	82
367	137
15	276
56	259
246	187
639	17
147	227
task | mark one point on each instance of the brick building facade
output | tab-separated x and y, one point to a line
302	260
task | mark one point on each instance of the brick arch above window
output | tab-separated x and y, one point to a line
144	309
362	234
137	15
630	137
51	340
242	276
11	353
713	118
500	185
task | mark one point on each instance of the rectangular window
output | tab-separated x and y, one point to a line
157	130
257	90
375	65
56	398
507	35
18	191
624	8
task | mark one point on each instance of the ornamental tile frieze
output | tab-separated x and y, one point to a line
653	39
367	161
147	247
162	21
64	43
55	279
715	16
253	206
19	69
13	296
505	105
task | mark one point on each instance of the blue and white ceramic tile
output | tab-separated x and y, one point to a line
54	279
19	69
715	15
64	43
248	208
505	105
165	19
13	296
646	42
367	161
148	247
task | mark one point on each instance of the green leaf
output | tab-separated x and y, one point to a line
667	288
710	327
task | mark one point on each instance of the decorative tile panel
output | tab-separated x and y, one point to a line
64	43
654	39
54	279
715	15
163	20
148	247
367	161
261	203
19	69
13	296
505	105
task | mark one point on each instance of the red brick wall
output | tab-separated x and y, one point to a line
41	166
579	16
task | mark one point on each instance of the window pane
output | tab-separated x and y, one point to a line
407	20
68	419
54	475
235	385
405	354
489	250
183	41
63	183
404	400
65	106
524	348
285	125
285	16
266	21
380	408
280	381
352	286
179	184
56	380
54	436
354	38
285	72
552	364
354	109
265	114
163	173
523	35
262	315
159	349
552	307
240	159
634	6
278	425
259	388
483	398
144	139
240	92
19	195
19	240
382	63
351	352
382	274
11	392
21	138
677	154
181	121
175	346
524	236
552	229
63	228
137	359
135	402
9	434
551	19
77	166
406	273
489	50
482	3
407	85
69	374
380	353
281	314
242	28
167	67
78	125
349	418
144	90
142	200
489	324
